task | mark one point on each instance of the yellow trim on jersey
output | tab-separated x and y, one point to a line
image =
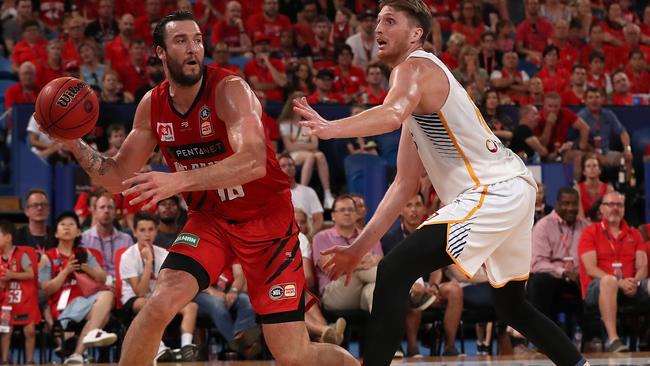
481	120
525	278
468	166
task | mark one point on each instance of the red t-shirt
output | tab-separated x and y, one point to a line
52	12
21	295
585	199
45	73
639	83
131	77
70	52
350	84
565	120
305	31
24	52
442	11
597	237
258	24
569	97
371	97
143	29
449	60
16	94
117	52
557	82
615	31
534	35
331	97
263	74
608	51
622	99
228	34
599	81
472	34
135	8
568	57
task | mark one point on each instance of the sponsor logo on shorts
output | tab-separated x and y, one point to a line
283	291
189	239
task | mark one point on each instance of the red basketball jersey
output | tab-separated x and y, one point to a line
58	263
21	295
198	139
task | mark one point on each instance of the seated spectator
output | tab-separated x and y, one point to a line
469	23
341	29
73	37
524	143
289	52
31	47
554	10
554	273
533	33
139	268
92	70
324	93
12	28
105	28
575	94
168	211
360	203
155	75
597	44
118	50
645	25
636	71
221	58
263	73
604	128
304	150
468	69
144	23
268	23
373	93
555	124
506	39
597	77
301	79
209	12
451	56
19	291
231	31
37	209
363	44
116	135
335	295
52	67
307	12
24	91
303	197
500	124
348	80
541	208
112	89
591	190
133	71
567	54
613	266
43	147
622	94
535	93
489	57
509	80
359	145
632	36
321	50
58	273
554	78
613	25
104	236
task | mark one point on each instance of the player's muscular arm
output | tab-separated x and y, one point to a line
133	154
241	112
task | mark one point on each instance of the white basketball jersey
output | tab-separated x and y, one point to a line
456	146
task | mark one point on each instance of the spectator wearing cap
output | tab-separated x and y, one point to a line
263	73
349	80
105	28
220	57
533	33
575	94
321	50
621	94
373	93
363	44
12	28
118	50
143	23
92	70
567	53
553	77
169	212
133	74
469	23
155	74
231	30
51	68
31	47
597	77
25	90
74	35
269	22
637	73
324	93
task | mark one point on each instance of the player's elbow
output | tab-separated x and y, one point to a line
258	165
394	118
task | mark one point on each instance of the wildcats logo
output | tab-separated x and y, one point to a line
68	96
186	238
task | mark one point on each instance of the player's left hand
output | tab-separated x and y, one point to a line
151	187
317	125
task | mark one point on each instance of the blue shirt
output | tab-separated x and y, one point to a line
608	128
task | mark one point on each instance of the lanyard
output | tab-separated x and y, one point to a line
101	243
611	245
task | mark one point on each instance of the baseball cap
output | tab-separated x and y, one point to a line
261	38
367	14
325	73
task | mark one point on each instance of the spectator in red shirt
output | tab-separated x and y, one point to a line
554	125
143	23
632	35
489	58
533	33
231	31
454	45
74	35
301	79
263	73
613	265
509	81
567	53
535	94
621	94
208	12
597	77
12	28
32	46
469	23
52	68
374	93
220	56
597	43
269	22
324	93
575	95
133	74
552	76
348	79
341	29
104	28
322	49
443	12
117	50
636	71
51	14
25	90
645	26
305	20
613	25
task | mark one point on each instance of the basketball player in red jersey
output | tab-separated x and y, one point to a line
207	124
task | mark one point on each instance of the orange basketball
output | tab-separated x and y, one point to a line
67	108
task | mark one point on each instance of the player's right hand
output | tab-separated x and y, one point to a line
344	260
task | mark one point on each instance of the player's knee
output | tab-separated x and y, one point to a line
159	309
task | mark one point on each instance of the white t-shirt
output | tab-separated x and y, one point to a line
132	265
294	132
497	74
306	199
305	245
33	127
360	53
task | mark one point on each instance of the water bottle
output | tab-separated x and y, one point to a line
618	270
5	319
213	350
577	338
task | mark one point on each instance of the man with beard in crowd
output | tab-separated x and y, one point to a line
156	76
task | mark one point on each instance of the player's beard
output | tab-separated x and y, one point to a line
178	76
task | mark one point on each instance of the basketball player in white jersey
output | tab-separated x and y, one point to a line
488	192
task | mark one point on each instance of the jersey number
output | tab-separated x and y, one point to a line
229	194
15	296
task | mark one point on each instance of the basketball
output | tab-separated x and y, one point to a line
67	108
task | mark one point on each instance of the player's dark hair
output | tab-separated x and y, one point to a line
414	9
8	228
159	31
566	190
144	216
